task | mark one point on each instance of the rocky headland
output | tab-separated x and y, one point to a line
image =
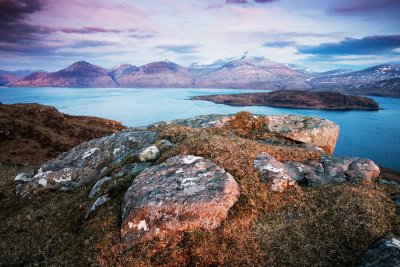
295	99
221	190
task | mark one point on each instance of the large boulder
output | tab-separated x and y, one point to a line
384	252
315	131
329	170
182	194
85	163
310	130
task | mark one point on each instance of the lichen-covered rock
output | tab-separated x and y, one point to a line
202	121
85	163
273	172
310	130
315	131
99	201
149	153
329	170
384	252
182	194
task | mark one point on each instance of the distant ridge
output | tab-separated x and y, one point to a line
244	72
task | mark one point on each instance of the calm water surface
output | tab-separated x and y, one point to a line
370	134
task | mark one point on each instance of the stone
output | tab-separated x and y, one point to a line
384	252
99	201
274	173
315	131
309	130
85	163
164	144
329	170
182	194
97	186
150	153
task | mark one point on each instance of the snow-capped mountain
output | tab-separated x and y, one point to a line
243	72
253	73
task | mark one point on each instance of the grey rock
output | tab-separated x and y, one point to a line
85	163
329	170
164	144
97	186
182	194
318	133
384	252
273	172
388	182
99	201
150	153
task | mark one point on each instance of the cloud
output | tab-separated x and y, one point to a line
90	43
245	1
179	49
87	30
364	6
370	45
279	44
13	16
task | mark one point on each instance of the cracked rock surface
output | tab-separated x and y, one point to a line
182	194
84	163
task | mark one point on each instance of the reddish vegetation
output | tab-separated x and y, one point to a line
35	133
294	99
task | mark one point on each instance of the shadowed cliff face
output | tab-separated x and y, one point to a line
295	99
34	133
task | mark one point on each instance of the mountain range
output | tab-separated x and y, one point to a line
245	72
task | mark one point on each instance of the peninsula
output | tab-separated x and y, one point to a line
294	99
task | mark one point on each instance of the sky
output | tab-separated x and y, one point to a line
321	35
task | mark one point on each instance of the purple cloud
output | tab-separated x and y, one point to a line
85	30
179	49
370	45
13	25
362	6
91	43
245	1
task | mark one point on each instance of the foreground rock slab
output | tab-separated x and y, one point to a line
329	170
85	163
384	252
182	194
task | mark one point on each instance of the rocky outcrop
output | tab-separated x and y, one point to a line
294	99
33	133
384	252
182	194
329	170
318	132
310	130
85	163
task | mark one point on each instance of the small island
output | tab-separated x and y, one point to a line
295	99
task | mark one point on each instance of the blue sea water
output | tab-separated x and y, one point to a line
369	134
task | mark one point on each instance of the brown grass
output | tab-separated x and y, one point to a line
326	226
